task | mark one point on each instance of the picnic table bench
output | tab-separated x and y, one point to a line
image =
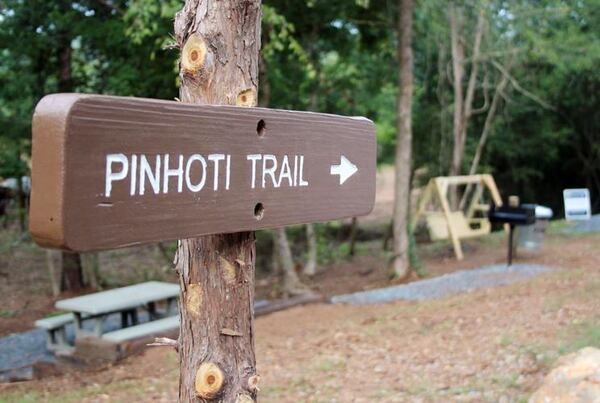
99	306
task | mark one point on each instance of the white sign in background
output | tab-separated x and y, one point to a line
577	204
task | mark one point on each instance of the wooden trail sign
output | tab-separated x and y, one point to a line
109	172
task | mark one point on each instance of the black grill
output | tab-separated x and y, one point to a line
518	215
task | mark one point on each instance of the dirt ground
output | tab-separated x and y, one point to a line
489	345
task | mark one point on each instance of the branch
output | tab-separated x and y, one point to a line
522	90
507	98
164	342
468	103
486	97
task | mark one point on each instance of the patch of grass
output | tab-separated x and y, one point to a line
383	394
506	381
329	364
586	334
8	314
557	227
553	303
492	239
436	249
592	287
367	248
467	388
55	313
423	388
505	340
135	390
19	398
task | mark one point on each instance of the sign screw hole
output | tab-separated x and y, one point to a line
259	211
261	128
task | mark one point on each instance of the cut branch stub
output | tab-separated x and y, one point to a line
193	55
209	380
246	98
193	300
253	382
243	398
228	271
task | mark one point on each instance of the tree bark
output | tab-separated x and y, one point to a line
51	256
90	264
458	56
21	200
72	273
470	94
291	282
401	262
310	269
220	43
353	233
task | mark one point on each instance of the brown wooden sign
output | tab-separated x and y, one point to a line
111	171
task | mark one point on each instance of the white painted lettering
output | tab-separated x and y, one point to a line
188	181
114	176
269	171
285	172
133	182
295	170
216	158
146	172
168	172
254	158
228	172
302	182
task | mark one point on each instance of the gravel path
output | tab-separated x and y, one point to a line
584	226
453	283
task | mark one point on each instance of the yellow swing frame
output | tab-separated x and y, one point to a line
456	225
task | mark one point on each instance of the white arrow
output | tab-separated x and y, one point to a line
345	169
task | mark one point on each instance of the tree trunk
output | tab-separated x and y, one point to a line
51	257
72	273
65	79
21	202
401	262
310	269
276	272
291	282
90	263
220	43
469	96
353	233
458	56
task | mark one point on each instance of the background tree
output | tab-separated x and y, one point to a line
404	144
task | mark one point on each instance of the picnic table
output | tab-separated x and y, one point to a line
126	301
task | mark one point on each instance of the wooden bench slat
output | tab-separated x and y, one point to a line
145	329
54	322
